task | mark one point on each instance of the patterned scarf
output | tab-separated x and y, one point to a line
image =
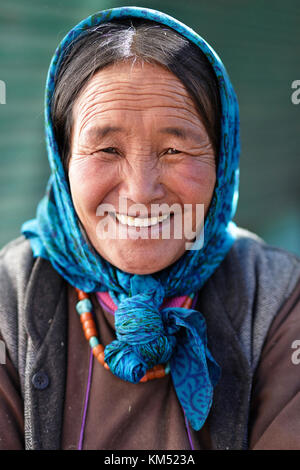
146	335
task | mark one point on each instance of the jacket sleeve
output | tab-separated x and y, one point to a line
11	404
16	262
275	406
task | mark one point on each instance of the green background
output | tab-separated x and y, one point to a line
259	43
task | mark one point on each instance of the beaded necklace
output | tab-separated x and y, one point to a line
84	308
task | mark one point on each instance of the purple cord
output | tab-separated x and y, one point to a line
87	393
188	432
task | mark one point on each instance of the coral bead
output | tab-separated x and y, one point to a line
100	358
82	295
151	374
98	349
89	324
89	332
86	316
159	373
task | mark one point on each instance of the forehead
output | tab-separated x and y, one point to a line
136	87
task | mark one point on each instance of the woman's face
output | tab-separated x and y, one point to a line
137	139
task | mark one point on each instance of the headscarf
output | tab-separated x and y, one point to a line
146	335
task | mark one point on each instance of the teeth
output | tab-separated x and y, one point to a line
137	222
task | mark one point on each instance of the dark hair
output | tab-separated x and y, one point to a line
137	39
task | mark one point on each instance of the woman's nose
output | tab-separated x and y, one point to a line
142	184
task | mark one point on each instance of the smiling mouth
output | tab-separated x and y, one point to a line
139	221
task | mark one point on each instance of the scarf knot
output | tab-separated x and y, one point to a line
142	339
147	336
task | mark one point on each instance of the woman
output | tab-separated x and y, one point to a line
141	340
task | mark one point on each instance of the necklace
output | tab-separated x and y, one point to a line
84	308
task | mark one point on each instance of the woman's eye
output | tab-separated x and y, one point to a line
109	150
172	151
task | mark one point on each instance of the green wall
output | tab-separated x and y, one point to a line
259	43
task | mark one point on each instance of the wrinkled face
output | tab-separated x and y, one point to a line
138	143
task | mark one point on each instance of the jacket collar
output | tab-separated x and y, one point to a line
228	418
46	323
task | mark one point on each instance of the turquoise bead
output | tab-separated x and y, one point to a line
93	341
83	306
167	368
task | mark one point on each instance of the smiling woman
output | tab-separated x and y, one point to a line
142	129
135	158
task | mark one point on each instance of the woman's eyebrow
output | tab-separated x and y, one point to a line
180	133
99	132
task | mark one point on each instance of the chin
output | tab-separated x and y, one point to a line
145	264
137	257
139	267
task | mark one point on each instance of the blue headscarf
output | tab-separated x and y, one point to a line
146	335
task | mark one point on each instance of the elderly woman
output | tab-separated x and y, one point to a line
122	331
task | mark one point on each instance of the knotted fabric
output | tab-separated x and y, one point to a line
146	336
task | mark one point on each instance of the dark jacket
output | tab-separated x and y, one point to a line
239	302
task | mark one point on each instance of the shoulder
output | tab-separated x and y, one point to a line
252	264
16	263
16	259
251	255
253	283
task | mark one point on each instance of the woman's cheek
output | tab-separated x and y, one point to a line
196	182
86	183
